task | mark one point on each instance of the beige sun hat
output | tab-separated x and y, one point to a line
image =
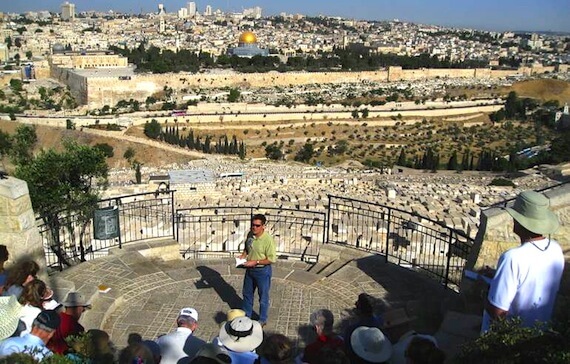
242	334
10	310
531	210
235	313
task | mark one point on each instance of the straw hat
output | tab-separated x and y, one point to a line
532	212
242	334
10	315
370	344
235	313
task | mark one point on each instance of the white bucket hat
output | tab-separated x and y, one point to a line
371	344
531	210
10	315
242	334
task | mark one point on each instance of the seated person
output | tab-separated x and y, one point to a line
276	349
364	310
424	351
241	337
322	321
369	345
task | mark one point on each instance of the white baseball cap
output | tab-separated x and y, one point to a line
190	312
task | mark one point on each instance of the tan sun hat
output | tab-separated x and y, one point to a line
234	313
531	210
9	315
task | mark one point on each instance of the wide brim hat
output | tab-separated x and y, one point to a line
10	312
75	299
531	210
370	344
242	334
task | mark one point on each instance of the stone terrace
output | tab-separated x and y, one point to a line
147	292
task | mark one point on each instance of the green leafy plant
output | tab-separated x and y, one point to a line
509	343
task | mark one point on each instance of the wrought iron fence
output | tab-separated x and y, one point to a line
204	231
405	238
71	239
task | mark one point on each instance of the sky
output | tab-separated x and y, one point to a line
493	15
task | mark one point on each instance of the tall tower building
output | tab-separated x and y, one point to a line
67	11
208	11
161	10
191	9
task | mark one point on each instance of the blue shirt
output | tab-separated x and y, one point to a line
28	344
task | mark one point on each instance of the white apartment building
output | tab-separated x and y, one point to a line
67	11
191	6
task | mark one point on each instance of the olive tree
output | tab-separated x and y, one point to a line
64	189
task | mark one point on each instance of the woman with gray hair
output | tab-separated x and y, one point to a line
322	321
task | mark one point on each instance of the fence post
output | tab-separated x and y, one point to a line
449	243
328	220
388	232
118	204
174	233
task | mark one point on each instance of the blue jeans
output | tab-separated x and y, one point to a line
259	278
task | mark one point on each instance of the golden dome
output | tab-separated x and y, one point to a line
248	38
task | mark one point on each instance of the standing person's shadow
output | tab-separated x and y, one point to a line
213	279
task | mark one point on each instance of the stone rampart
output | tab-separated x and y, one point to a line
99	91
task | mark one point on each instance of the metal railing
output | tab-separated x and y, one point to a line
403	237
205	231
70	239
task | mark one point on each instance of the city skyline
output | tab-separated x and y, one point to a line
522	15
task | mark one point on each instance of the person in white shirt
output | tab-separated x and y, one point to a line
180	346
33	343
527	278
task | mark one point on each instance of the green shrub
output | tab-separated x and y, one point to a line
502	182
509	343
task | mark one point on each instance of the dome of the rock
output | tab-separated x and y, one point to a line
248	38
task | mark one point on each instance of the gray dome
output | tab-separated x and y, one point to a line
58	48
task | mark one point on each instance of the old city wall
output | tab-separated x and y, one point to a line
77	84
109	90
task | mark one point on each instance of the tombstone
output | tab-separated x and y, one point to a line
476	198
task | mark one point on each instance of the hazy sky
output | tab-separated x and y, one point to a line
498	15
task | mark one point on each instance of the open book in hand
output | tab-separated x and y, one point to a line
240	262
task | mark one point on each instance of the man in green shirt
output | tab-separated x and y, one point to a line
260	253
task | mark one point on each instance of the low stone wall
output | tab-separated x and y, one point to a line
18	229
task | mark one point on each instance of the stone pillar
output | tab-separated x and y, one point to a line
18	230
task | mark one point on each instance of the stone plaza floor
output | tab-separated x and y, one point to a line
147	293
